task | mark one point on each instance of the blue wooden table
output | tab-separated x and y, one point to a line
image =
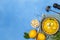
15	16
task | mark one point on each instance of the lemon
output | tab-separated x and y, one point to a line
41	36
32	33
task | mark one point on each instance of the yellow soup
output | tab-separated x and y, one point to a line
50	25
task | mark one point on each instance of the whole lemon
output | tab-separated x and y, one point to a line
32	33
41	36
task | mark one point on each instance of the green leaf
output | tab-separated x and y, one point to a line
26	35
56	36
